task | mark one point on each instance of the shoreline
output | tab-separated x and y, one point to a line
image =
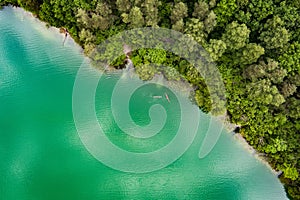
230	127
43	27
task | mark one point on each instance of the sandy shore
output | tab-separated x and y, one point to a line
230	127
46	31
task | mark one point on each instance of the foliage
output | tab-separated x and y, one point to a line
195	29
235	35
179	12
145	72
274	34
210	22
150	9
135	18
201	10
225	9
290	59
216	48
248	54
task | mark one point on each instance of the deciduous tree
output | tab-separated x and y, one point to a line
179	11
216	48
249	54
135	18
235	35
150	10
274	34
201	10
210	22
195	29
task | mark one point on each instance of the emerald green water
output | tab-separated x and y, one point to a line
42	156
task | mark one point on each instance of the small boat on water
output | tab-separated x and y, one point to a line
167	97
157	97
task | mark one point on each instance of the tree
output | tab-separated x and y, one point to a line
145	72
253	72
100	22
171	73
289	14
103	9
289	171
261	9
274	35
290	60
277	75
135	18
263	92
249	54
225	10
242	3
178	26
123	6
216	48
270	65
179	12
270	70
201	10
89	49
150	9
195	29
61	13
193	75
276	145
293	108
202	99
86	36
31	5
101	19
210	22
235	35
83	18
288	89
295	79
157	56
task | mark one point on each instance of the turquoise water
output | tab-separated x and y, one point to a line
42	156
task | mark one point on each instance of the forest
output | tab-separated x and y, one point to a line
255	44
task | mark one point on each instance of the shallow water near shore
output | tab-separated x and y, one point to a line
42	156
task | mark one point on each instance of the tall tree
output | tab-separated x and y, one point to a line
135	18
263	92
201	10
210	22
290	60
225	11
248	54
274	34
288	89
179	11
195	28
123	6
235	35
86	36
150	9
178	26
83	18
216	48
270	70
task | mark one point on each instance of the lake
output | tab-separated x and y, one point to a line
44	156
